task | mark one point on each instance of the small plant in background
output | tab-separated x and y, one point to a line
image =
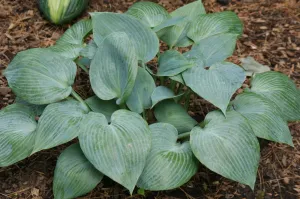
62	11
115	138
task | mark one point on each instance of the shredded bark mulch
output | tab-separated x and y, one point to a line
271	36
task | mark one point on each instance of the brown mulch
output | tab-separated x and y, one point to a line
271	36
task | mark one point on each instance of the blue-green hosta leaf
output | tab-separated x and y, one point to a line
162	93
169	164
106	107
59	124
252	67
140	97
40	76
114	68
37	109
212	49
151	14
190	10
263	117
17	127
172	63
74	175
208	25
167	23
228	146
71	42
89	50
144	40
177	34
70	51
217	84
178	78
76	33
118	150
281	91
170	112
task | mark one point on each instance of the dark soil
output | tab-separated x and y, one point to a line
271	36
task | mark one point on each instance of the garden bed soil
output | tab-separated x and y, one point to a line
271	36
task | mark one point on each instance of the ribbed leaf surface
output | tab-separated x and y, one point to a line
140	98
263	117
74	175
177	34
212	49
118	150
162	93
170	164
169	112
217	84
172	63
59	124
281	91
71	42
17	127
143	39
151	14
106	107
114	68
228	147
40	76
204	26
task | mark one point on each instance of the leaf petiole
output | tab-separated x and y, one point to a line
78	98
183	135
83	67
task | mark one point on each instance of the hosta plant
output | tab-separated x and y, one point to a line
136	129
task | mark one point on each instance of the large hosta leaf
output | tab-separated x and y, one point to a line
228	146
17	127
170	164
106	107
212	49
263	117
177	34
162	93
59	124
140	97
281	91
151	14
118	150
114	68
217	84
172	63
71	42
169	112
144	40
74	175
40	76
208	25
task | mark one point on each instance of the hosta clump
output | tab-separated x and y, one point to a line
136	129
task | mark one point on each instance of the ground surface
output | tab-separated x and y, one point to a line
272	36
